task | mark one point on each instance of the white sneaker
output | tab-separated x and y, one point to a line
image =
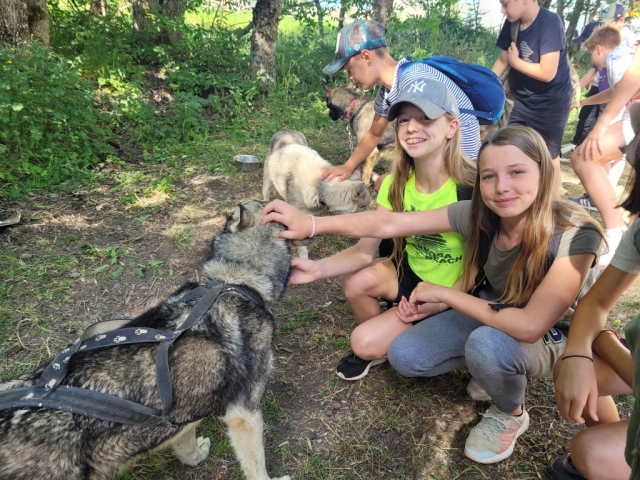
494	438
476	392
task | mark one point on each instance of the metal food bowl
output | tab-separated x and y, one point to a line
247	162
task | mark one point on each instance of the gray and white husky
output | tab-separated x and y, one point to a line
293	170
221	366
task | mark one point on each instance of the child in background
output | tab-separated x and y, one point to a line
540	75
614	15
362	52
603	45
428	173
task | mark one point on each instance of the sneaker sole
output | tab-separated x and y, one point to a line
501	456
373	363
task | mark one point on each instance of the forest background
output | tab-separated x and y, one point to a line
118	124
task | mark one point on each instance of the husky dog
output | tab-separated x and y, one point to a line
293	170
356	110
220	366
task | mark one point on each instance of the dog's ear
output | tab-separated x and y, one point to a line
328	90
361	194
240	219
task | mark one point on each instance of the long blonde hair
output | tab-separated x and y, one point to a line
459	167
546	216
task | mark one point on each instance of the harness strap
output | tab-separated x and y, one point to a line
91	403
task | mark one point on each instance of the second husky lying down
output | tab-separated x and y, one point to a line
293	170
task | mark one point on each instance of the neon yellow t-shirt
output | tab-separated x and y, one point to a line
434	258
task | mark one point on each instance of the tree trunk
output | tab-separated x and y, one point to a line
142	21
344	6
545	3
381	11
173	9
264	37
560	11
100	8
320	13
596	10
573	19
39	20
14	23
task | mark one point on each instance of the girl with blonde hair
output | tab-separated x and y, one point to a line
429	172
529	258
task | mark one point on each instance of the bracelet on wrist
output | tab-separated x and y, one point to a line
313	227
578	356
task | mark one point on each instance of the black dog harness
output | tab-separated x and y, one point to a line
49	393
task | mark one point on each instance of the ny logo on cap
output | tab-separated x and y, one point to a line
417	86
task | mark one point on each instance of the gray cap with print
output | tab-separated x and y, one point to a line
429	95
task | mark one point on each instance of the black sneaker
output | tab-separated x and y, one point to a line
353	367
563	468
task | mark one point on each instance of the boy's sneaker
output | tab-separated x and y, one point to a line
493	439
476	392
585	202
563	468
352	367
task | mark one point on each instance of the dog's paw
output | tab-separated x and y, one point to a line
203	444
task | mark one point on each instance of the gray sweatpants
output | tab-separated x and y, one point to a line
497	361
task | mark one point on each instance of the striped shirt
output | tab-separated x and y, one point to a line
469	126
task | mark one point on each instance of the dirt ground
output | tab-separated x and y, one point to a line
94	255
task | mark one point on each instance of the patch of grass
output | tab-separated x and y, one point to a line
183	239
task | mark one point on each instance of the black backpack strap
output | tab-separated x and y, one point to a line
464	193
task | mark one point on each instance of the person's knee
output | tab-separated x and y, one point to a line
404	355
577	160
366	343
486	352
585	456
357	284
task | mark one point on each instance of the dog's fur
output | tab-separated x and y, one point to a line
221	366
293	170
360	118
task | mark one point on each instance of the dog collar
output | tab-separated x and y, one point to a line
348	116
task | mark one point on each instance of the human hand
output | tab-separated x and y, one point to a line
341	172
590	147
574	104
299	225
303	270
407	314
425	292
576	388
513	54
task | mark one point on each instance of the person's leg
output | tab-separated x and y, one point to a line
557	178
598	452
433	346
363	288
370	340
500	364
594	178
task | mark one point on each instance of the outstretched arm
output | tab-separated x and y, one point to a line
379	224
368	142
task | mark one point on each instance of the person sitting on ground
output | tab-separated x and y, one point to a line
362	52
603	45
596	365
540	75
429	172
532	257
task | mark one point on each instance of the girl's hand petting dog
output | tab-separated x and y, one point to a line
299	225
408	314
303	271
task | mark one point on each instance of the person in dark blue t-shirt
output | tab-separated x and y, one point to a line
540	77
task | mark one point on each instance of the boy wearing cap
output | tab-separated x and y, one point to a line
361	51
604	47
614	16
540	74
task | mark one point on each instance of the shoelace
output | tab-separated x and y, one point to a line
494	425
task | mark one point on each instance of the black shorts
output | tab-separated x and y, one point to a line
407	279
549	124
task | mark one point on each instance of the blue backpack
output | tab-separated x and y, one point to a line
479	83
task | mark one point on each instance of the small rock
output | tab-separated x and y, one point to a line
341	299
74	275
26	256
336	405
299	331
